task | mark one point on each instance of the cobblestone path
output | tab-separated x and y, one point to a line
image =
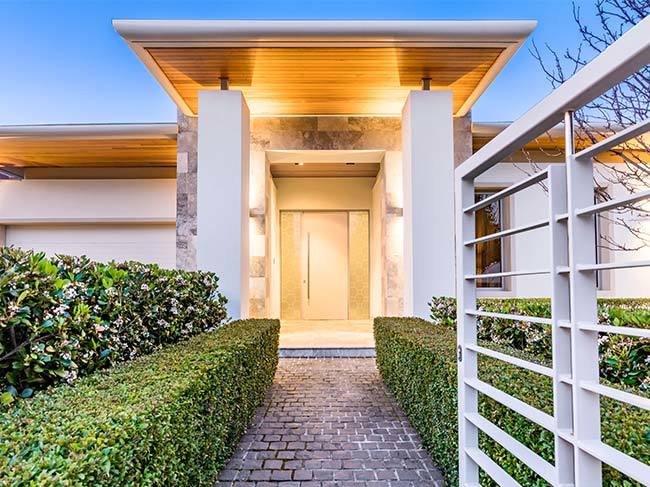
330	423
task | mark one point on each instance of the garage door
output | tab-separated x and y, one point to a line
143	243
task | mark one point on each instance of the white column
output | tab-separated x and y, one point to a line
428	164
222	194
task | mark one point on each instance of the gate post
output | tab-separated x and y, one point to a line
466	330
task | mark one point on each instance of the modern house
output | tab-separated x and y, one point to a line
311	167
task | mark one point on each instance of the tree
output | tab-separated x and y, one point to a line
627	166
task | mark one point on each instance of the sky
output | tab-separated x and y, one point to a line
62	62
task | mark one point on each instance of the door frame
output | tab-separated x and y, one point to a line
347	211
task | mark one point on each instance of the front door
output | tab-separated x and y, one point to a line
324	237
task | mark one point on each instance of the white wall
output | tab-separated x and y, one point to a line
222	194
428	180
324	193
116	219
151	244
91	199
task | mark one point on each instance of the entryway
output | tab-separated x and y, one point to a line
324	243
325	265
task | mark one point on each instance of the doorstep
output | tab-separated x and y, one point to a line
326	334
327	353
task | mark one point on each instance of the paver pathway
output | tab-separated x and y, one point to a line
330	423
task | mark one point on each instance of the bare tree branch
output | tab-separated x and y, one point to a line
626	167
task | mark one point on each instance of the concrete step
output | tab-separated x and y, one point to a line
326	352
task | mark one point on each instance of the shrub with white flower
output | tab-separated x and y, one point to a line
64	317
624	360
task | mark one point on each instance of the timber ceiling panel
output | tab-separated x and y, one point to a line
325	80
91	152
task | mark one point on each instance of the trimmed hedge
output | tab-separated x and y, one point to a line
417	360
65	317
625	360
171	418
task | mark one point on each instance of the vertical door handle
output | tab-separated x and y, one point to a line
308	265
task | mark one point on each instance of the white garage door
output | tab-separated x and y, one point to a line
143	243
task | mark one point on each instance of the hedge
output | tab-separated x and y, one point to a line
624	359
65	317
417	360
170	418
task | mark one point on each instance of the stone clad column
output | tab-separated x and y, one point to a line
392	235
223	194
462	139
186	164
428	179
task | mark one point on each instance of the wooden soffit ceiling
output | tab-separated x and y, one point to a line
88	146
324	68
325	80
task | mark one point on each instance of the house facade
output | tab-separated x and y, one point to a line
311	167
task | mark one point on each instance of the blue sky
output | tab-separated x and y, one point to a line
62	62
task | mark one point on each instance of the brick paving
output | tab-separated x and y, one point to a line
330	423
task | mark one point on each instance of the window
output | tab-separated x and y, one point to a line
489	255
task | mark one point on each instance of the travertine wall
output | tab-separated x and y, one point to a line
392	235
186	168
462	138
325	133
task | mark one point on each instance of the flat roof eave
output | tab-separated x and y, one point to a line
90	131
389	31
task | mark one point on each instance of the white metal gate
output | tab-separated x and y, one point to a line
576	422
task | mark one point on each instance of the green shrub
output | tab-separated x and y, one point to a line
624	360
417	360
170	418
64	317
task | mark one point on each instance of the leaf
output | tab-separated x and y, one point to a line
6	398
26	393
22	296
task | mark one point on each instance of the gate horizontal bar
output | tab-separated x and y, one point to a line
613	140
621	330
518	406
504	316
631	467
518	449
507	274
524	364
515	188
491	468
614	266
616	394
617	203
510	232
